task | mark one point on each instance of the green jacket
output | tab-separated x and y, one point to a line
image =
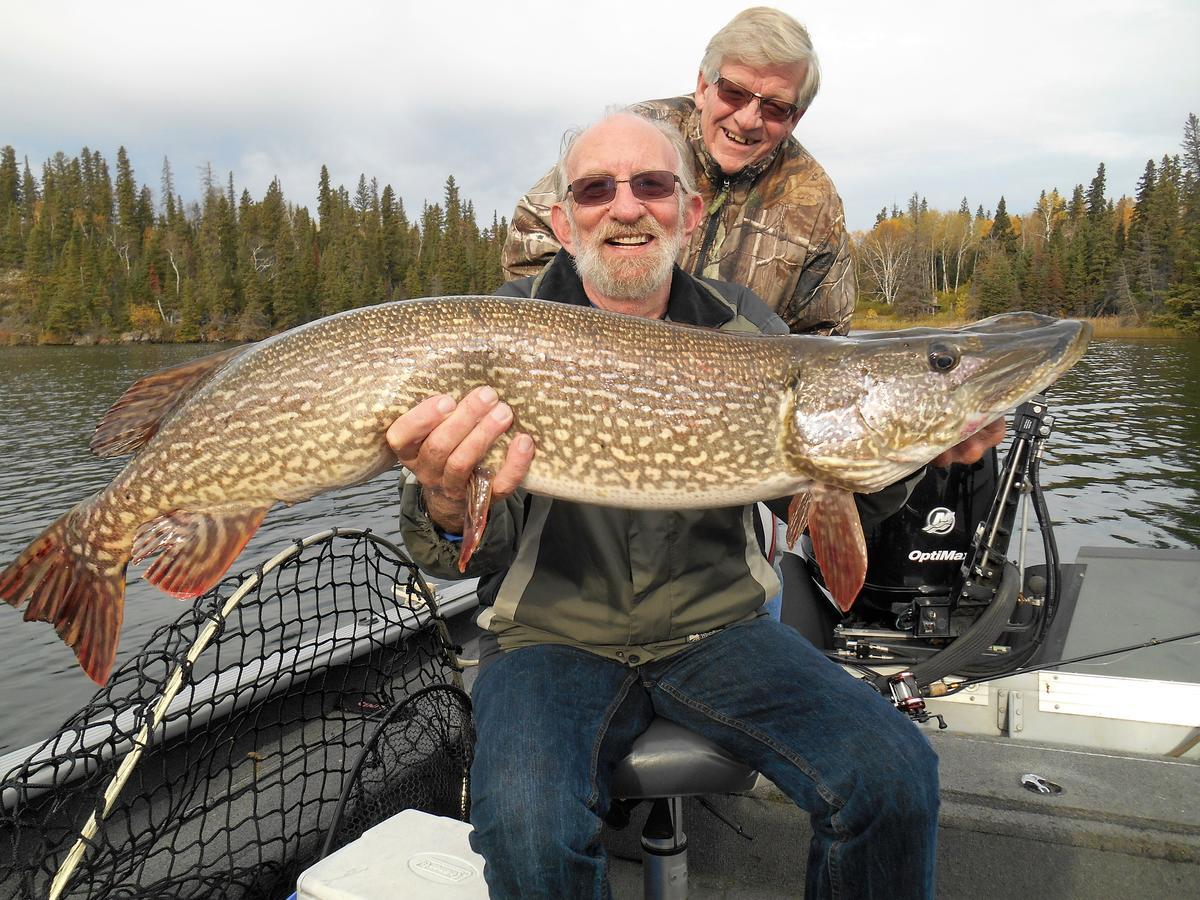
776	227
631	585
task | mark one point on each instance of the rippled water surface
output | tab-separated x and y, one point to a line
1123	465
50	401
1121	469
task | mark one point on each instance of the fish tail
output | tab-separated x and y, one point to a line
61	580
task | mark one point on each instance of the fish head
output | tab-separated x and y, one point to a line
860	413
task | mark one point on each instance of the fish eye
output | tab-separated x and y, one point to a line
943	358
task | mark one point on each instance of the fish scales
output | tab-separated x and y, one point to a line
622	410
611	403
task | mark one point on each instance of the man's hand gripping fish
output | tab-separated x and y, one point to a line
623	411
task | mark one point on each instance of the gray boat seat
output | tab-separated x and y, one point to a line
668	760
667	763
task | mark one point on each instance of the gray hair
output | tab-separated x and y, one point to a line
687	178
761	36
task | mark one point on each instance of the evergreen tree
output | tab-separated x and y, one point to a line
995	285
453	265
127	203
29	193
1141	244
1096	202
167	187
1077	208
101	192
1183	296
1002	234
1191	146
324	199
10	181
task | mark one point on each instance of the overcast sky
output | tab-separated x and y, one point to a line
943	98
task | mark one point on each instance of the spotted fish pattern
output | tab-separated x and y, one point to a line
623	411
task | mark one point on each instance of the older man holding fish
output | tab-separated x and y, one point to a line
602	618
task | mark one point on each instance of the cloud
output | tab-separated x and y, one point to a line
942	98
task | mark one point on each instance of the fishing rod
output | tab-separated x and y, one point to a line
941	689
908	696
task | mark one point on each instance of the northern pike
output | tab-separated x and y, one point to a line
623	411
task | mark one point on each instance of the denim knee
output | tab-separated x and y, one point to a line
904	786
535	837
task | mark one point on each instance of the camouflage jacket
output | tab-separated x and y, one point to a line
776	227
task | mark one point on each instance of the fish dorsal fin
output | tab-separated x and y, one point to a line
195	548
138	413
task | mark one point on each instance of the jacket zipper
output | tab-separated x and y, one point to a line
710	230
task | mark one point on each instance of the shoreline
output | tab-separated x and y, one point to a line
1102	327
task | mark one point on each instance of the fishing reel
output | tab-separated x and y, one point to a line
902	690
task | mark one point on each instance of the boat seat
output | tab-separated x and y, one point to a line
668	760
667	763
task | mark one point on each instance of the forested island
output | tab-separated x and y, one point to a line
86	257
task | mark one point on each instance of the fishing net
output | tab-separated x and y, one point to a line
419	756
234	791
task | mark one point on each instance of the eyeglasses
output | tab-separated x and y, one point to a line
770	108
596	190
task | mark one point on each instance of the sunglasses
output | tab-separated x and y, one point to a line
596	190
770	108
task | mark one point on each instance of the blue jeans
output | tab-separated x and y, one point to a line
554	721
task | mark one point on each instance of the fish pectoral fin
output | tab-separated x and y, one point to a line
63	585
195	547
797	517
138	413
479	501
838	542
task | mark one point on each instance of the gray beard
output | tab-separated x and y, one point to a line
628	279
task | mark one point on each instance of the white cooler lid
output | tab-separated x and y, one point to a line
411	855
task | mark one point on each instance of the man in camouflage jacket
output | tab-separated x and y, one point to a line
773	220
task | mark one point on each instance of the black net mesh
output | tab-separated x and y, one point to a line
239	784
419	757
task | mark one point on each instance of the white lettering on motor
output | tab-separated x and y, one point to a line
921	556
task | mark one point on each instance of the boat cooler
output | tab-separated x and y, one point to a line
411	855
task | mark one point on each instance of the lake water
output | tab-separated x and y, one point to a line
1122	468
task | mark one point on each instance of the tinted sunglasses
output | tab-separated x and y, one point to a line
770	108
596	190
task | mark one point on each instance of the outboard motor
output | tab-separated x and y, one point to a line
915	555
919	551
941	595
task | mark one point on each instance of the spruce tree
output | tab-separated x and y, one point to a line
10	181
1002	234
1191	146
127	202
995	285
1096	202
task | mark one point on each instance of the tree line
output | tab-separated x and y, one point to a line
86	256
1086	255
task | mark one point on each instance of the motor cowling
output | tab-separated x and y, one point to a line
920	549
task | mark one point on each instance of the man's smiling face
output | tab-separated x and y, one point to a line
737	138
625	248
